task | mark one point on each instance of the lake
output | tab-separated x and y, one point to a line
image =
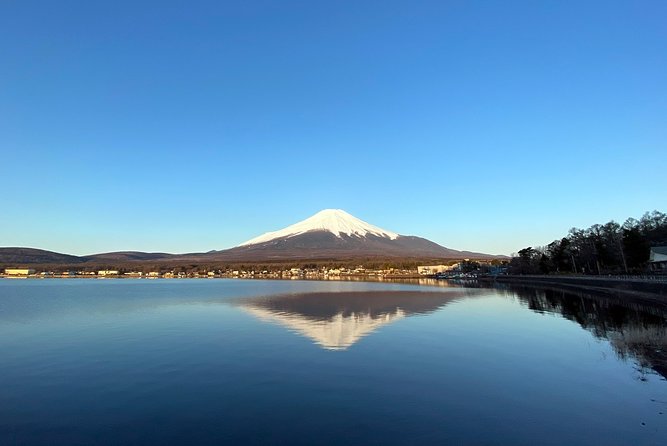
173	362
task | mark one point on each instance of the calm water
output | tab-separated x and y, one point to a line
295	362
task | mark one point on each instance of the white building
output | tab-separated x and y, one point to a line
658	258
427	270
19	271
107	272
134	274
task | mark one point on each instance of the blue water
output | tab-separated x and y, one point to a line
111	362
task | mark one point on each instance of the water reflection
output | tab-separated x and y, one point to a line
335	321
636	330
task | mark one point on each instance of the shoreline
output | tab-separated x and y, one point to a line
654	291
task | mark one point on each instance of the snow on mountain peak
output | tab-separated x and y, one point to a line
336	221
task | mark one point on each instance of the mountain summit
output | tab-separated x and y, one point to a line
335	234
335	221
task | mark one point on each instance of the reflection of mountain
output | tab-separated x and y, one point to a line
335	321
336	333
635	330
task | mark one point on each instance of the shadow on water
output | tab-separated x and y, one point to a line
636	330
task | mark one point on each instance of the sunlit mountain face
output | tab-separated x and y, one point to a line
333	234
335	321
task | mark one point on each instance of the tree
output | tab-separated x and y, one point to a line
600	249
636	248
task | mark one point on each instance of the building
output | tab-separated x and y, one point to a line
134	274
19	271
658	259
107	272
427	270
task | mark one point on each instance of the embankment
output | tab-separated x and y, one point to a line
651	289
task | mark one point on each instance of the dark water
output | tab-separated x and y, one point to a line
291	362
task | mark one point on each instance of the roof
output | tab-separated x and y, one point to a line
659	250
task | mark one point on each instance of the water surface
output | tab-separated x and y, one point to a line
303	362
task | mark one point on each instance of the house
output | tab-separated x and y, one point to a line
658	259
19	271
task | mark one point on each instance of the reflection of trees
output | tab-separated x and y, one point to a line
646	345
635	330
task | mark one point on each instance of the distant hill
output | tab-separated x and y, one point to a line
31	255
126	256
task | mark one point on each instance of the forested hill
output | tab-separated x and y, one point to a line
21	256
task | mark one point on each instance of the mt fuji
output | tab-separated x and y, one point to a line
334	234
335	221
331	234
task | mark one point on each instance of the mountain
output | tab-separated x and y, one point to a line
18	256
333	233
329	234
40	256
125	256
335	221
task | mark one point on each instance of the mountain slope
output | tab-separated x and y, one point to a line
333	233
18	256
127	256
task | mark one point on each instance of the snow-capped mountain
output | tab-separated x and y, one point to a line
335	234
336	221
331	234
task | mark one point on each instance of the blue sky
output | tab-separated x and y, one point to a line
191	126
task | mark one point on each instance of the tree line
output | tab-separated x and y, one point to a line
609	248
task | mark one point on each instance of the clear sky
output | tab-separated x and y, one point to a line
190	126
